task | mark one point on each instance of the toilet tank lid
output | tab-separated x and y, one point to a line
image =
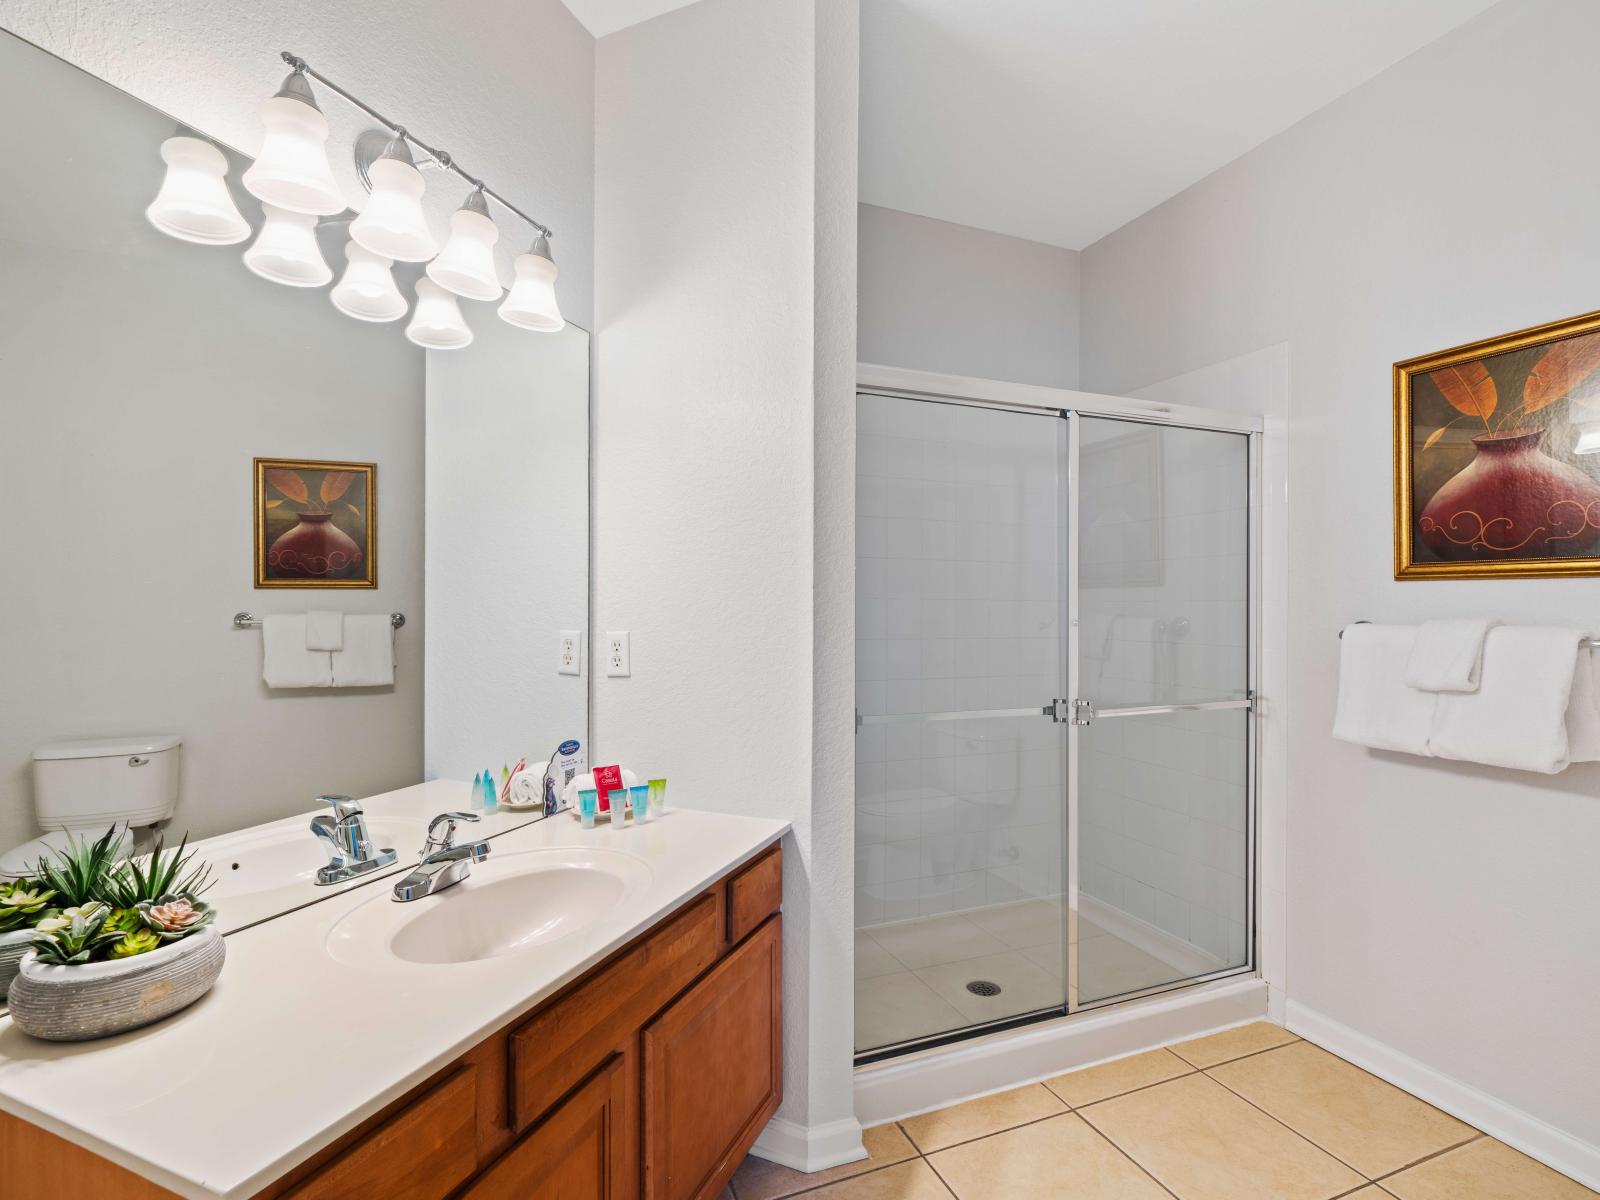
109	747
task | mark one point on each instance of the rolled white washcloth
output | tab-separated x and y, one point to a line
527	789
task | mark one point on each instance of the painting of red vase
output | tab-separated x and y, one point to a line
1497	456
315	523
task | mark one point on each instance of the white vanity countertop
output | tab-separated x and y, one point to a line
293	1047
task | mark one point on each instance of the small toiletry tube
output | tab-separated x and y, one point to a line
588	806
619	808
639	800
658	797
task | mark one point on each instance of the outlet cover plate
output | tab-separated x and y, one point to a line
571	660
617	662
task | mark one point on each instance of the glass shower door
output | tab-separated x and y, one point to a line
1161	729
960	821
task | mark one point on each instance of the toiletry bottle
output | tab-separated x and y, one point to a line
491	794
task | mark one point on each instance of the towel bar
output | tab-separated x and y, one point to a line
246	620
1589	643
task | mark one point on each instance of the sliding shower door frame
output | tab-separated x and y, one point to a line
969	392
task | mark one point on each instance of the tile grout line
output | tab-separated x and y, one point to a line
1065	1110
1294	1039
1143	1087
1286	1125
1477	1135
1100	1133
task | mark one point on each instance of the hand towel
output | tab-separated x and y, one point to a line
367	659
1583	710
1518	716
1447	655
1376	708
324	630
285	661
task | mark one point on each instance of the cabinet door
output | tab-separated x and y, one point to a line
713	1071
578	1152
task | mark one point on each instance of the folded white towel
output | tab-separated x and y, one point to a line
1376	708
324	630
367	659
1447	655
1583	710
1518	716
285	661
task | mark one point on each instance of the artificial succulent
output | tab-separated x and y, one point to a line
76	936
140	941
157	876
174	917
21	904
79	873
125	920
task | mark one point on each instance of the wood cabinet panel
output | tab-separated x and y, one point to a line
578	1152
574	1033
713	1071
754	894
425	1151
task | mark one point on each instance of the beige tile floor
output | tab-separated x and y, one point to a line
1252	1113
911	976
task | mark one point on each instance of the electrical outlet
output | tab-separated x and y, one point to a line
571	652
617	654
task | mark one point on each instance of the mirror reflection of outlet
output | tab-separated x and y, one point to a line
617	654
571	652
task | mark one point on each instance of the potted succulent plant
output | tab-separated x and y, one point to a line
132	942
23	903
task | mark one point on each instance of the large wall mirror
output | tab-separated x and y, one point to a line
142	378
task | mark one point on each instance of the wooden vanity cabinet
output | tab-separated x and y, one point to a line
647	1078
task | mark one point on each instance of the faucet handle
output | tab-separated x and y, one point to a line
343	806
448	820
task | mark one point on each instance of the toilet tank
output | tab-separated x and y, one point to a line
95	782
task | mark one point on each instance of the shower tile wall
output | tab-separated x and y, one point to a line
957	584
1164	618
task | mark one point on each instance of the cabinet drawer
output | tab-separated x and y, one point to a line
424	1151
754	894
713	1071
573	1035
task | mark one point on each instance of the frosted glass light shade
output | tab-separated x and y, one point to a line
292	170
392	224
436	324
286	250
531	303
193	203
367	289
466	264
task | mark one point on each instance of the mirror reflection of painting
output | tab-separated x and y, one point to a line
1498	463
316	524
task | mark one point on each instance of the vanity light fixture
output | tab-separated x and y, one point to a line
531	303
392	224
437	323
466	264
367	289
292	170
193	204
286	250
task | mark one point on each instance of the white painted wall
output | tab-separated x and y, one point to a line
507	519
1446	911
507	86
139	376
723	445
941	297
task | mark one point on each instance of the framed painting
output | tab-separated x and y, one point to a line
1497	456
316	524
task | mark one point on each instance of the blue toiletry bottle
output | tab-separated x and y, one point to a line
491	794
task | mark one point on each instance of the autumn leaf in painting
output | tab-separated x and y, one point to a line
1433	438
289	483
336	484
1560	369
1468	388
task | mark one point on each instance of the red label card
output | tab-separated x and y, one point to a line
606	781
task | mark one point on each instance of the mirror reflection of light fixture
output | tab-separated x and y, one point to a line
193	203
1588	438
366	290
466	264
292	170
437	323
286	250
392	223
531	303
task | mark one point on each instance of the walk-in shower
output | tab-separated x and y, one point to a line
1055	736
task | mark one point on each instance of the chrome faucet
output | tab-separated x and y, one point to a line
349	846
444	863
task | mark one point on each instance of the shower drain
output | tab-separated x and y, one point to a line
982	987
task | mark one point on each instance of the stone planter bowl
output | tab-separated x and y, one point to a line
72	1004
13	946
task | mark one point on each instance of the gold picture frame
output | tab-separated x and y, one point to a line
316	523
1496	470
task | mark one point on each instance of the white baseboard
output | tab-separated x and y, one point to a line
1183	956
916	1083
810	1148
1565	1153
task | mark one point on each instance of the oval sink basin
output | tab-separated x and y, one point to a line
507	905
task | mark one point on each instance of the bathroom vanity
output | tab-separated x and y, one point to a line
552	1026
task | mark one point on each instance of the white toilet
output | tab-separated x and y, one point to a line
82	787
